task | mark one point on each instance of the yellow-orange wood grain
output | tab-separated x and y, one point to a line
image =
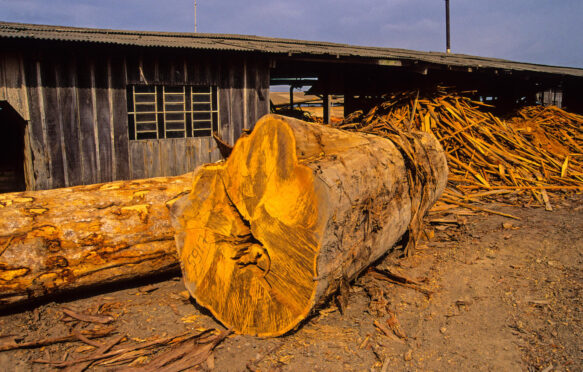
66	239
295	210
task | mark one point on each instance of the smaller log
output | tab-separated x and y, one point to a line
66	239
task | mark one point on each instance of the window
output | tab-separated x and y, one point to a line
162	111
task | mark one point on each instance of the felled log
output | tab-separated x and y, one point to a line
295	211
65	239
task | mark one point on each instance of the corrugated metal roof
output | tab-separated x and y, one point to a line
243	43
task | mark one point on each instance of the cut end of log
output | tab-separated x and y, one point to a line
250	234
265	236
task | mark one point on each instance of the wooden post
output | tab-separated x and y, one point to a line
327	106
447	41
326	100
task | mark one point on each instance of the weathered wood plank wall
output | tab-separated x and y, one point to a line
13	90
168	157
12	83
77	106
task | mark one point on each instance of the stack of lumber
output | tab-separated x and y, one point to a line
539	149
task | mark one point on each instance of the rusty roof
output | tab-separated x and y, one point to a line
247	43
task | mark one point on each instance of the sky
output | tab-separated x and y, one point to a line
546	32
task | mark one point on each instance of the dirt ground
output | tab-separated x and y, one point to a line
501	294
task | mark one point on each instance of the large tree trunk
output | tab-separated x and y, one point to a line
58	240
296	210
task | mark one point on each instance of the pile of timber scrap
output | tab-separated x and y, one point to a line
538	150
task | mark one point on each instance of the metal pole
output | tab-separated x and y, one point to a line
194	15
447	45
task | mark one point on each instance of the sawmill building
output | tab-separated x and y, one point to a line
82	106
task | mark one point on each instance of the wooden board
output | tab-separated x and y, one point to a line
86	122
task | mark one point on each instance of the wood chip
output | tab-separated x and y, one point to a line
102	319
398	279
94	333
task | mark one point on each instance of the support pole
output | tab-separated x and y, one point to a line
447	43
195	16
326	103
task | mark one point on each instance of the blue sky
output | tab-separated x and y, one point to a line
537	31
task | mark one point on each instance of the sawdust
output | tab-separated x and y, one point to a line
505	295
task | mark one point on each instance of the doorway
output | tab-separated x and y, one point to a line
12	126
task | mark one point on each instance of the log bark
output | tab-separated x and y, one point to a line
297	210
65	239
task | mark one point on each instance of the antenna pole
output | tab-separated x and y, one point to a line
447	44
194	15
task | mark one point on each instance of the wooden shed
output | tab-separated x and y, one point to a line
88	111
81	106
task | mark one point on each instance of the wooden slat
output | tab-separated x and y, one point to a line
29	179
3	84
225	109
137	161
200	159
215	79
252	91
169	153
12	87
215	154
246	98
191	153
185	69
264	78
148	73
164	69
36	135
147	158
178	162
213	70
155	152
237	98
103	121
67	109
120	118
53	123
86	122
177	71
182	154
262	89
201	70
133	68
191	70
